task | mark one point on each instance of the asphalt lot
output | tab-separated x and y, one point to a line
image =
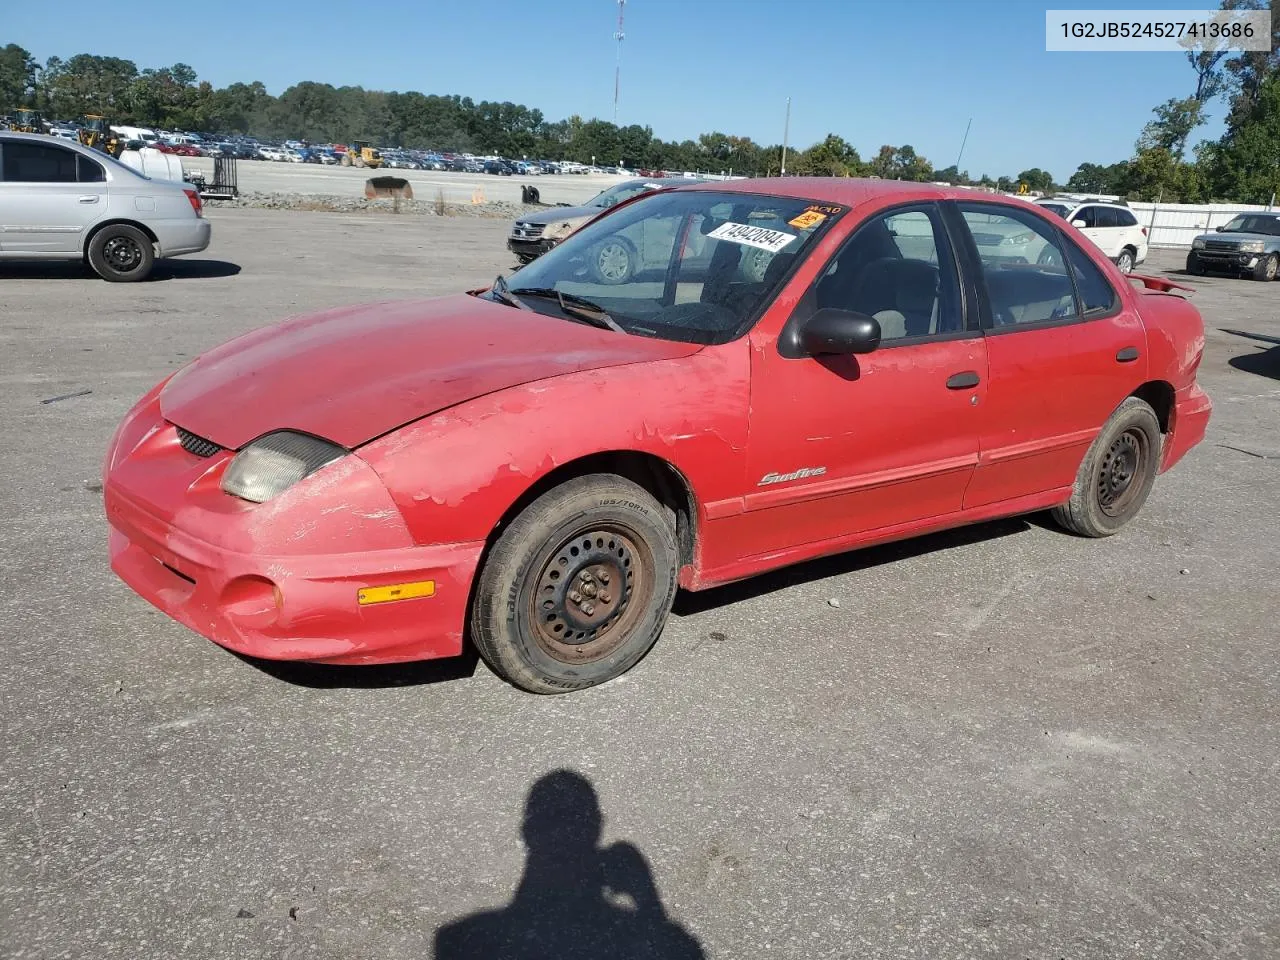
309	179
1003	742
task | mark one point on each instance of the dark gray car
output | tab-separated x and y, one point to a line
535	233
1248	245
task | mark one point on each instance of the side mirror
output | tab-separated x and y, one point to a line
1218	229
831	331
1079	223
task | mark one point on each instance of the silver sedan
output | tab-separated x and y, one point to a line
64	201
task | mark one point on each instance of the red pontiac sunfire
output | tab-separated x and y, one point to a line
700	385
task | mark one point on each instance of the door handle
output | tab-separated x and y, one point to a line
1127	355
92	199
963	381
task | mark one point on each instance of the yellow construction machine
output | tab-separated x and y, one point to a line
96	134
360	154
29	121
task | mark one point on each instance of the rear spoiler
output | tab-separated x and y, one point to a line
1160	284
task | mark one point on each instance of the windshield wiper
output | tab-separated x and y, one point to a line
577	307
504	295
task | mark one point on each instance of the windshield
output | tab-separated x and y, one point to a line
695	266
1254	223
1059	208
616	194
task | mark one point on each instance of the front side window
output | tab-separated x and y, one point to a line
1086	214
37	163
898	268
689	265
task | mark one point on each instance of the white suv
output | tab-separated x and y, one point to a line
1112	226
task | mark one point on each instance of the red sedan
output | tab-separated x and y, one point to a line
699	385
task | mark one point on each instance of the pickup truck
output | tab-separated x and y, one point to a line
1247	245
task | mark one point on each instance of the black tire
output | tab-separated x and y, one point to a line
121	253
613	262
1266	268
1126	260
1195	266
1117	474
543	616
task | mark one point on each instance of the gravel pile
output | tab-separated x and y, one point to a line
337	204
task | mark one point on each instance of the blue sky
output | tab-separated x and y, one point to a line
873	72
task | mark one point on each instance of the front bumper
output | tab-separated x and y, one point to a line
279	580
1227	261
529	248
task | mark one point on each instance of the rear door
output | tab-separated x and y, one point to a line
1063	351
49	197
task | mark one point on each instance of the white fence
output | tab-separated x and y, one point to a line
1177	224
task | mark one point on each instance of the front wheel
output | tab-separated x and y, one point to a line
1117	474
577	589
612	263
1266	269
1195	266
121	253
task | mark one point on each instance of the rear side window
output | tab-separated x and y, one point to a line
37	163
1105	217
1096	294
90	171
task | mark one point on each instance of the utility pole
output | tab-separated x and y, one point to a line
962	143
617	70
786	132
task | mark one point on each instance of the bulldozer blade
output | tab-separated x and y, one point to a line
396	188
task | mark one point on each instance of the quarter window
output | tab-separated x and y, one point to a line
36	163
1126	218
90	171
898	268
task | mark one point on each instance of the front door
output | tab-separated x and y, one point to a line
1063	352
844	445
49	197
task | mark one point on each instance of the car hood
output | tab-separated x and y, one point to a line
556	214
354	373
1237	237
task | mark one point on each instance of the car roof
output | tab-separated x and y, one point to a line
851	191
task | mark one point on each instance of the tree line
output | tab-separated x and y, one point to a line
1243	165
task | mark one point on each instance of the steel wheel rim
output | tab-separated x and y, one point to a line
122	254
590	592
1121	472
613	261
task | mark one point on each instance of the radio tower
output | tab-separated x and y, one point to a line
617	70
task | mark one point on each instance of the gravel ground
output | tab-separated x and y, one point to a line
1003	742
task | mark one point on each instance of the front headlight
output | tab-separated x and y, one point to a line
1197	243
558	231
1018	239
272	464
1252	246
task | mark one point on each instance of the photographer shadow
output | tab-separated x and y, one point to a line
576	900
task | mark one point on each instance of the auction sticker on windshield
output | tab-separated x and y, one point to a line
749	236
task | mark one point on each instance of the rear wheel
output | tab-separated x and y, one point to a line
577	589
1266	269
121	253
1125	260
1117	474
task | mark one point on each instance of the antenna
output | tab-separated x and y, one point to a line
617	70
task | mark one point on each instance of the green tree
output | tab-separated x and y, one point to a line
1037	179
17	76
831	157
